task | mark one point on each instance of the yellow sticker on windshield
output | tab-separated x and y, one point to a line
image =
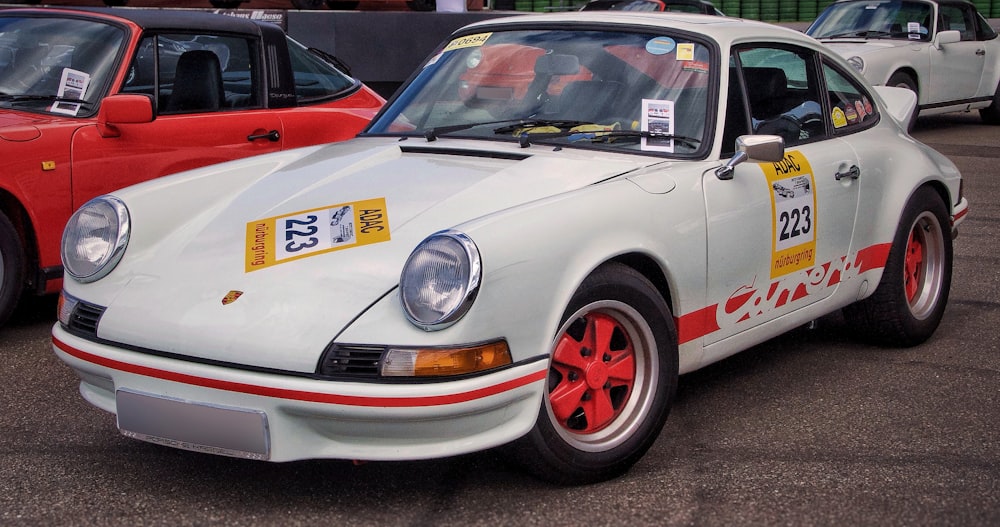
298	235
793	207
469	41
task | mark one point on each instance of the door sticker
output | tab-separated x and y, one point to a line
281	239
793	206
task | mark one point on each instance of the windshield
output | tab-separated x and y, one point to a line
891	19
590	89
57	65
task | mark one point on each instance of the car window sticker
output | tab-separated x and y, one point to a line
839	119
660	45
298	235
793	204
657	118
468	41
72	85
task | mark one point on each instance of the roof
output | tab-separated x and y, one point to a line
169	19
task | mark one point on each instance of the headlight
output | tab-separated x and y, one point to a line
95	238
440	280
858	63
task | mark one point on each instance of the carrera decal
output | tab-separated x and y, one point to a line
750	301
281	239
793	206
302	395
470	41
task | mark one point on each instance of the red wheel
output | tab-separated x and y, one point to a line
909	302
612	377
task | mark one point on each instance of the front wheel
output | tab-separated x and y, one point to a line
903	80
612	379
11	268
909	302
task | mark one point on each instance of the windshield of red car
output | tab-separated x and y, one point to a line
591	89
56	65
889	19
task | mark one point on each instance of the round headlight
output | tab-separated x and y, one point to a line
95	238
440	280
858	63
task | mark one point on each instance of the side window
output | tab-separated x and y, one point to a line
851	107
191	73
736	112
782	90
315	79
953	17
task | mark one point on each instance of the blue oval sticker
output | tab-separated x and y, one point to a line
660	45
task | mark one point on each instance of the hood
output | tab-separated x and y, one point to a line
858	47
291	304
22	126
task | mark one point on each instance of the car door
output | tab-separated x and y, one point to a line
778	233
957	68
209	108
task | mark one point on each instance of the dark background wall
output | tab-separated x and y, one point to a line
381	48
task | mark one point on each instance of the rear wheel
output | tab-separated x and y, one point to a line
909	302
612	378
904	80
11	268
991	114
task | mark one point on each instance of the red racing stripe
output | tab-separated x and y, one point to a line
300	395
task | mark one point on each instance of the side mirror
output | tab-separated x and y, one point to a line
947	37
761	148
123	109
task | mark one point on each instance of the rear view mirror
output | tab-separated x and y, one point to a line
761	148
123	109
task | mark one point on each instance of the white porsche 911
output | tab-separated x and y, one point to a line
943	50
555	217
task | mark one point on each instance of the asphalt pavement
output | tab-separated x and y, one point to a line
812	428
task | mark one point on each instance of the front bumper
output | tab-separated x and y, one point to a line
303	418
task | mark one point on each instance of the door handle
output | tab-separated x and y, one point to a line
272	136
980	52
854	173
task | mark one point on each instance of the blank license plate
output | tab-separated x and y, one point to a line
193	426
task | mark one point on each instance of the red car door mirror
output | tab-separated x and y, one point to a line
123	109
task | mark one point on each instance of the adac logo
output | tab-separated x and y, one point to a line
231	297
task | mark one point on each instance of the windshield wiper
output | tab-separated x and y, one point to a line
862	33
46	98
514	124
607	136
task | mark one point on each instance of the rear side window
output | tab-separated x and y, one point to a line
315	78
851	107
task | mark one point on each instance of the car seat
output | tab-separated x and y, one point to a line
197	83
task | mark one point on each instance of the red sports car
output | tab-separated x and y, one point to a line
98	99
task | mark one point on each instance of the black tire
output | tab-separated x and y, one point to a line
607	402
991	114
11	268
909	302
904	80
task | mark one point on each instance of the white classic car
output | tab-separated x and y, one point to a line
555	217
944	51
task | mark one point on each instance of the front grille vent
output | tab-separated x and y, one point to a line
352	361
84	318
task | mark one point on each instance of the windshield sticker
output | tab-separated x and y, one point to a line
660	45
685	51
793	204
470	41
658	120
695	66
282	239
913	27
72	85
